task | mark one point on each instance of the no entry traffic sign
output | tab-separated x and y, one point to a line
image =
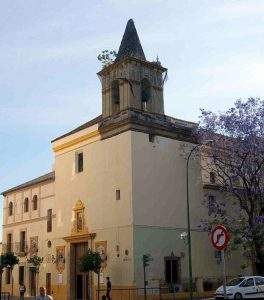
219	237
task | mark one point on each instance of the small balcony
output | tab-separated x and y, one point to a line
19	248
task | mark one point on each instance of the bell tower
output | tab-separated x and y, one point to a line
132	82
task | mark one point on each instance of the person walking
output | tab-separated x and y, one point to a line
43	295
108	288
22	290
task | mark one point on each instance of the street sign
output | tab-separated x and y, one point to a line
220	237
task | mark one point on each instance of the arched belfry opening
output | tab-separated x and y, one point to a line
115	96
145	94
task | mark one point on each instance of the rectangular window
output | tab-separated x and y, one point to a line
49	220
171	270
22	241
79	162
151	137
9	242
8	276
118	195
21	274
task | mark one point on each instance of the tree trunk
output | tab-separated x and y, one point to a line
1	273
254	267
258	260
12	283
37	279
260	263
98	284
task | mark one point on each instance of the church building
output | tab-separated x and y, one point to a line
118	186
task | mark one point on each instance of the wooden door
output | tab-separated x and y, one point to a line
48	283
32	281
81	279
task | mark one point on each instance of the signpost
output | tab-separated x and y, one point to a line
220	238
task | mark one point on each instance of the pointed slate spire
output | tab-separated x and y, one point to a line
130	45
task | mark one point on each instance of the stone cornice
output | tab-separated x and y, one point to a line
157	124
81	237
149	64
33	220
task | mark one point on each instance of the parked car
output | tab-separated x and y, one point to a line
242	288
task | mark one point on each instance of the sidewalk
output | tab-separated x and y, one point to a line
181	298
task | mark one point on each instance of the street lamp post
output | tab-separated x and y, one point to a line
189	240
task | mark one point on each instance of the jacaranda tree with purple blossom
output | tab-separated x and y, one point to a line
236	157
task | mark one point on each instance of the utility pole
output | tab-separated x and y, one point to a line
145	259
207	142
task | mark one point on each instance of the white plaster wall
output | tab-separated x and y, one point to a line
159	209
107	167
159	183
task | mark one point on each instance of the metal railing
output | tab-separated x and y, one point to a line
5	296
152	293
19	248
132	293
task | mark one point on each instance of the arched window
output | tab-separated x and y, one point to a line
35	202
115	96
212	177
26	205
145	93
10	208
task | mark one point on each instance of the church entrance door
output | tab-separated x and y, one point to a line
82	286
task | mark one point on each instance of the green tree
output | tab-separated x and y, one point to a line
2	267
9	261
107	57
236	159
36	262
91	262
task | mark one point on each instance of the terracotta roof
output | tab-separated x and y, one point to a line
45	177
83	126
130	45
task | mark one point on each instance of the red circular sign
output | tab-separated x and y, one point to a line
220	237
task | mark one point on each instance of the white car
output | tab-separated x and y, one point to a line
242	288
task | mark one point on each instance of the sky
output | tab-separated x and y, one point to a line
48	63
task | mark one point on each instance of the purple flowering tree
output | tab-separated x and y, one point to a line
236	160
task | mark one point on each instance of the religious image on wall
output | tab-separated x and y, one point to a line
60	258
79	226
101	248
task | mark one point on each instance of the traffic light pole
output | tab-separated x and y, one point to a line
146	258
145	285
